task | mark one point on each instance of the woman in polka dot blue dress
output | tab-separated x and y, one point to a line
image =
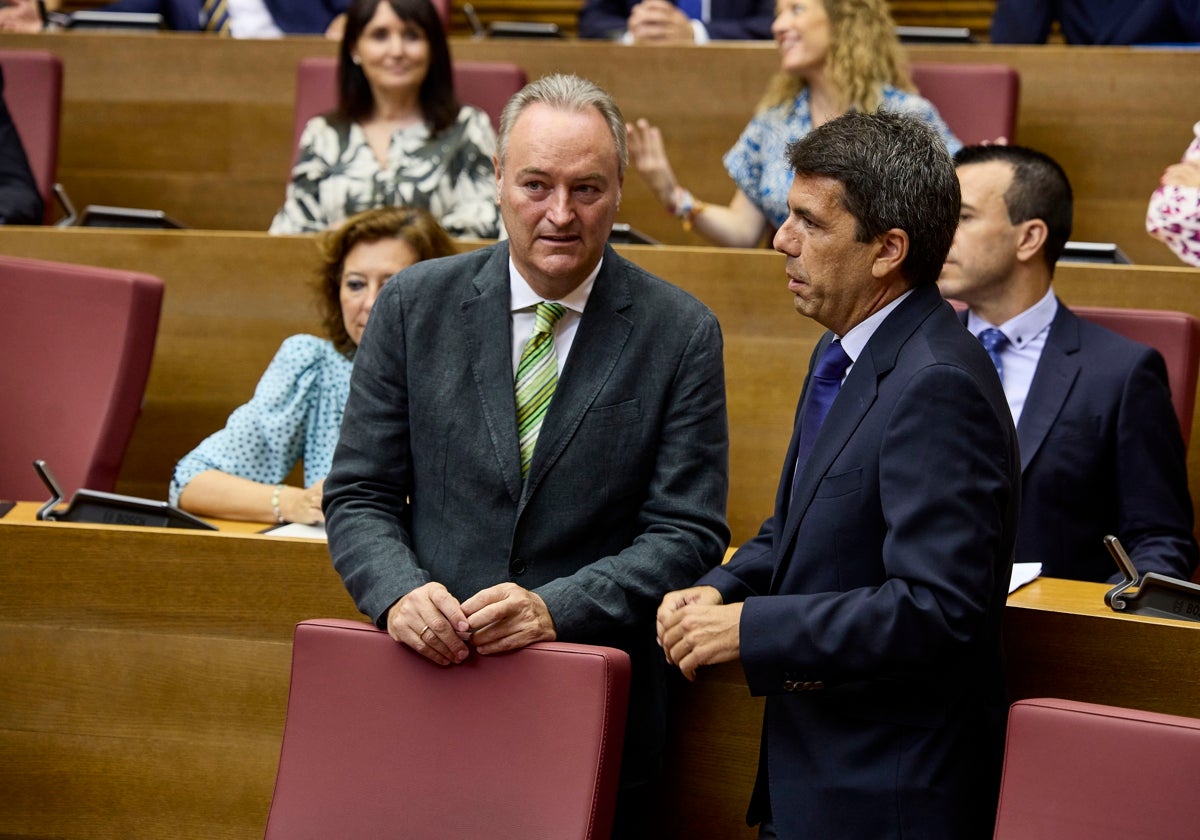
296	411
835	56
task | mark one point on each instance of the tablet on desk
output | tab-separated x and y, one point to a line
101	215
96	506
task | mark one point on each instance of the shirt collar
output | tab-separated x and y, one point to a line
856	337
1023	328
522	297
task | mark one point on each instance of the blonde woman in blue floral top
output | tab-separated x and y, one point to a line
297	407
835	56
399	135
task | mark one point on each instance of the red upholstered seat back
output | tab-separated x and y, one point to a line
76	344
978	101
380	742
1080	771
1174	334
487	85
33	93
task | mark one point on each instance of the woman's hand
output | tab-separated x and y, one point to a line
302	504
19	16
1183	174
649	158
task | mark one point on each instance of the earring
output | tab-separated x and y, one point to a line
357	59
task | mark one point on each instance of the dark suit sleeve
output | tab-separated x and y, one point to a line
1155	507
946	470
367	496
20	203
1022	21
682	520
743	20
604	18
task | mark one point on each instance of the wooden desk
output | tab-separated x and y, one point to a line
231	298
169	121
144	677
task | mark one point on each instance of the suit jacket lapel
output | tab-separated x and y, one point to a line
595	352
487	325
1056	372
857	395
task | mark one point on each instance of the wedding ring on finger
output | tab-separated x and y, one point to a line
424	630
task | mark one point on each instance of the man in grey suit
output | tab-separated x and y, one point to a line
456	523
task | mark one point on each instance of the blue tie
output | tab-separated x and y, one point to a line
823	387
691	8
993	342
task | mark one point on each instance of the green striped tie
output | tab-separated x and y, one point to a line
537	374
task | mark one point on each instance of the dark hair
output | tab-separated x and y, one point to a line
438	101
415	226
895	172
1039	190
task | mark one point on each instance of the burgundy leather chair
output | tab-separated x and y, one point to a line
487	85
33	93
76	343
1080	771
1174	334
380	742
978	101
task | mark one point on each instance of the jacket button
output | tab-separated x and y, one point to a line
517	567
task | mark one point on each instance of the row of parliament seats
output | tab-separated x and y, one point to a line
978	101
1072	770
130	113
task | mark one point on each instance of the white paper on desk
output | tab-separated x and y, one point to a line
298	529
1023	573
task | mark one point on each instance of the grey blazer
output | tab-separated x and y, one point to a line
625	498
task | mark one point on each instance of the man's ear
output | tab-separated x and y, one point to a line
1031	238
892	248
499	175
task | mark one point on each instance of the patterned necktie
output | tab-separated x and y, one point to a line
993	342
537	375
823	387
214	16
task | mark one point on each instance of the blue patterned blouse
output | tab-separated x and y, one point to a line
757	163
296	412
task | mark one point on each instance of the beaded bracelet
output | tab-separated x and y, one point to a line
275	503
685	207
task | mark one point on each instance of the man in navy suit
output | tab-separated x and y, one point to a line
289	17
868	608
257	19
462	529
1097	21
20	202
676	21
1101	449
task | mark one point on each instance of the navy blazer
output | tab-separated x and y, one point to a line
20	201
1097	21
625	498
874	595
295	17
730	20
1101	453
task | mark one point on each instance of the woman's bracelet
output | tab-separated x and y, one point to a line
686	207
275	503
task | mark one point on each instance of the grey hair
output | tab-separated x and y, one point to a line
565	92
